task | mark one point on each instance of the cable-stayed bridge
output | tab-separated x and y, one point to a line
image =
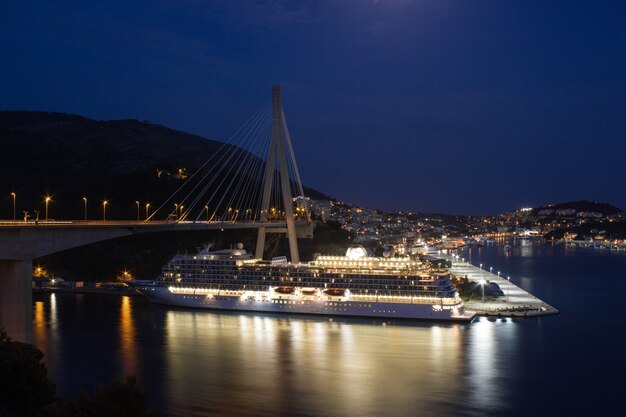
251	182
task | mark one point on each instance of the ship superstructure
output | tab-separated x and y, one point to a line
355	285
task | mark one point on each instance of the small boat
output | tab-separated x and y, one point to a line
309	291
285	290
336	292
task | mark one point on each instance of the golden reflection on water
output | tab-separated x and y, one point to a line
286	365
128	351
39	327
45	327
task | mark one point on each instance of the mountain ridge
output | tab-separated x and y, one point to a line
70	156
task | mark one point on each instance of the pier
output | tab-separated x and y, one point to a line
516	302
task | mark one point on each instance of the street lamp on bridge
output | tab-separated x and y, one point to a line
104	210
85	203
206	208
13	195
147	210
137	202
47	200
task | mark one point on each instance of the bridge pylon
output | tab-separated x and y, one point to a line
280	147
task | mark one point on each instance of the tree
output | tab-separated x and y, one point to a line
25	389
120	399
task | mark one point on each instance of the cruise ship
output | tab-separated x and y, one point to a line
352	285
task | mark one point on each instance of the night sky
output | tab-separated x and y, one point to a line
469	107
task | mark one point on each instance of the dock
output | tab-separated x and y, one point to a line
516	302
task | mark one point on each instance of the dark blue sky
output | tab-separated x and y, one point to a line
428	105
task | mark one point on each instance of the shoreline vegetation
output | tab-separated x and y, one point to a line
27	390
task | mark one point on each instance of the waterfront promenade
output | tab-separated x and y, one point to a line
515	302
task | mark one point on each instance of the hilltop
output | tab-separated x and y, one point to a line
581	206
70	156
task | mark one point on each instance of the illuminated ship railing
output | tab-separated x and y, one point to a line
372	298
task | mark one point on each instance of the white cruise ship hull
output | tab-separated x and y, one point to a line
331	306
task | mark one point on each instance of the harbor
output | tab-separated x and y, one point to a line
516	302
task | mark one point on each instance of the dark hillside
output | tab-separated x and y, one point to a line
584	205
69	156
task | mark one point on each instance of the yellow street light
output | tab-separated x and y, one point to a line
207	213
85	203
104	210
137	202
13	195
47	200
147	210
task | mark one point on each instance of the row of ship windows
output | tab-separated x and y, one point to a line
252	285
292	270
284	280
311	282
442	294
304	274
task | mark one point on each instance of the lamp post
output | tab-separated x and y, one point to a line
104	210
508	288
180	209
47	200
176	210
137	202
147	210
206	208
13	195
482	285
85	203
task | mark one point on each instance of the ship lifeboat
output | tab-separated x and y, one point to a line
309	291
335	292
285	290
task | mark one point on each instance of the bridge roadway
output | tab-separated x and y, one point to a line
21	242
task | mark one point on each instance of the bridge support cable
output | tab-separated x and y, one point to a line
230	143
230	190
225	166
248	180
253	177
292	160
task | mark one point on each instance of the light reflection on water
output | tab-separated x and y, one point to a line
128	350
292	365
195	363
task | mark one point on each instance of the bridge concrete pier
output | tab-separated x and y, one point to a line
16	298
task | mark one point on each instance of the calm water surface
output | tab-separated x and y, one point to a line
197	363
